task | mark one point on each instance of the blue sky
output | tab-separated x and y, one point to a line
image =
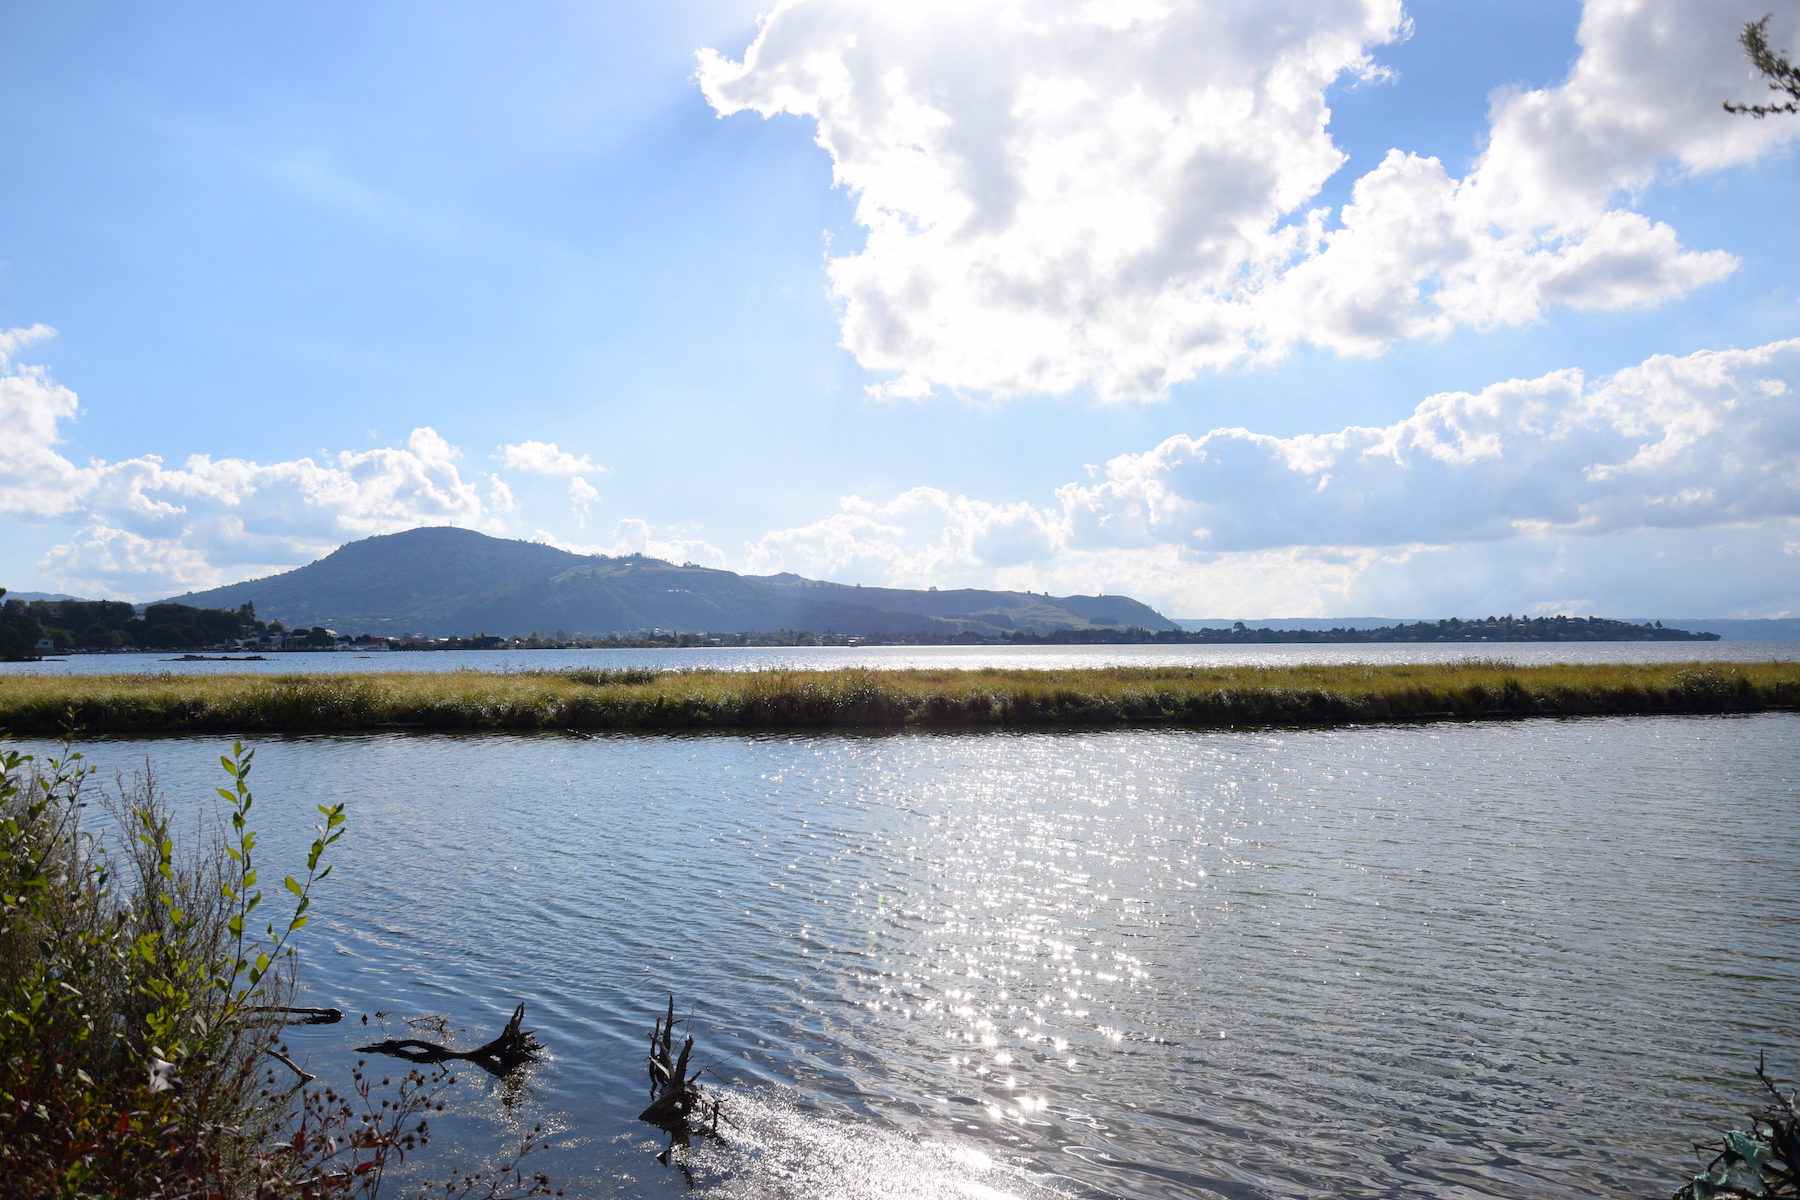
949	295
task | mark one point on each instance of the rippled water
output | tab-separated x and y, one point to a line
732	658
1524	959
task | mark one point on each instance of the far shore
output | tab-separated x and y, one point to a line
855	698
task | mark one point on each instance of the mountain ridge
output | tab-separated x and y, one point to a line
442	581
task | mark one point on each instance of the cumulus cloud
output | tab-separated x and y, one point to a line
1555	470
500	496
34	479
582	494
149	529
1705	440
635	536
917	539
1058	194
544	458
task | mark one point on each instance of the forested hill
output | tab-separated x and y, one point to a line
444	582
1490	629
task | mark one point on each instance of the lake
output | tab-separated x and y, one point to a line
733	658
1523	959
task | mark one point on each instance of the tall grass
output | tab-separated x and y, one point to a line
639	699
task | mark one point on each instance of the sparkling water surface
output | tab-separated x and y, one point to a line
826	658
1523	959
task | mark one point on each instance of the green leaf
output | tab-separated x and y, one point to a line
298	923
294	886
262	963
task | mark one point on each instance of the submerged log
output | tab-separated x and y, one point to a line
675	1095
302	1015
506	1053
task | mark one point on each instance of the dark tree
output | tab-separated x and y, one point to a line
1783	76
19	630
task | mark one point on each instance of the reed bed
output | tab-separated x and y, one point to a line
854	698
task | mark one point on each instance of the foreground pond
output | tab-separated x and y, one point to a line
1524	959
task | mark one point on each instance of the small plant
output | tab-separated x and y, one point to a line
136	1020
1762	1161
130	989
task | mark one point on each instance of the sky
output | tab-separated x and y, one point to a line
1296	308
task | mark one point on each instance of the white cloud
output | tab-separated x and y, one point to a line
500	496
1706	440
1058	194
634	536
582	494
920	538
544	458
148	530
1554	472
34	479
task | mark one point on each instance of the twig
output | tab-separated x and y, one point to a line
278	1056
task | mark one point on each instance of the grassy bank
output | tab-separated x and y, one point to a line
1300	695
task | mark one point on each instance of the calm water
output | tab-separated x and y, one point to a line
966	657
1525	959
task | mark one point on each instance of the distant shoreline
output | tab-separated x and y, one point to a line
855	698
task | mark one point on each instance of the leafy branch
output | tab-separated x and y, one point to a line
1783	76
243	893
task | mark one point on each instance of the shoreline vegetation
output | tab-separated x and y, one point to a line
647	700
141	1010
30	631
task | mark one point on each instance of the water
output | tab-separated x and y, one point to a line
1516	959
733	658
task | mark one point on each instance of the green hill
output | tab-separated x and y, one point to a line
444	581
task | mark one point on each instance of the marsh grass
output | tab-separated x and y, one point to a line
859	698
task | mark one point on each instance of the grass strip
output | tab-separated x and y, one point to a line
858	699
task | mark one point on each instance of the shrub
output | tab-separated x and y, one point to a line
133	989
135	1013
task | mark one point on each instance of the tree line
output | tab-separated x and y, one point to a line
113	624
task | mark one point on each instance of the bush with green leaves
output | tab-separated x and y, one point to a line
136	1031
132	984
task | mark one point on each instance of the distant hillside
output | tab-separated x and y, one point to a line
1729	629
444	581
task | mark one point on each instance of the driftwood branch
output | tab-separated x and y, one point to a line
278	1056
675	1095
305	1016
512	1049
